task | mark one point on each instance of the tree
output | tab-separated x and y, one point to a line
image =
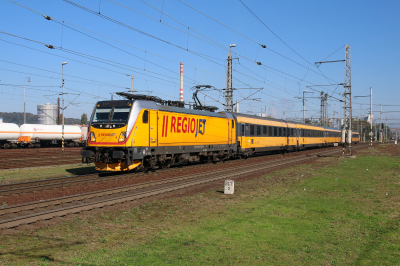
84	119
60	119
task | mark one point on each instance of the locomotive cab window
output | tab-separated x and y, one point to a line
111	114
102	114
120	114
145	116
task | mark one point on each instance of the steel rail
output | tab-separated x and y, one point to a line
183	182
23	187
25	164
27	206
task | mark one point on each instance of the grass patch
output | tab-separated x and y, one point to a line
39	173
338	214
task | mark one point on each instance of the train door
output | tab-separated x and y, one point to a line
231	130
287	135
297	132
144	131
153	128
242	131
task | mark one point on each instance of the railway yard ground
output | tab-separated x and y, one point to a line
32	158
317	210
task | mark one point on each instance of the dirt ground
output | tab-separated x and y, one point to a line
155	175
317	162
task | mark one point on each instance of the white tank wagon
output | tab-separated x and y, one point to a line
49	134
9	134
84	130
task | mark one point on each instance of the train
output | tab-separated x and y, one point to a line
144	132
38	135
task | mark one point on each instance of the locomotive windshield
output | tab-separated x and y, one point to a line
117	113
113	114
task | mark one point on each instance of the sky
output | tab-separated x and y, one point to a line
105	42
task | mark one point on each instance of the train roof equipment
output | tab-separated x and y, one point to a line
197	103
155	99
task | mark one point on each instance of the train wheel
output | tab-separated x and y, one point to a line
163	165
6	146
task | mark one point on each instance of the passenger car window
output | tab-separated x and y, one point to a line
270	131
258	130
265	130
275	131
251	130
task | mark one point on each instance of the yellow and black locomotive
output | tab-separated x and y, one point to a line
144	132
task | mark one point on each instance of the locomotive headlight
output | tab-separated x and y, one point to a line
92	136
122	137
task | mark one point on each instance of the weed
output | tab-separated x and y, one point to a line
46	258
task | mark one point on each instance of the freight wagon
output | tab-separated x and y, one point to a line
37	135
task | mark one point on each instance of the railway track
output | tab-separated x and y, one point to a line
6	154
38	158
38	185
14	216
13	164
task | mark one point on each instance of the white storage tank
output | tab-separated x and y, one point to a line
84	129
47	114
29	132
9	132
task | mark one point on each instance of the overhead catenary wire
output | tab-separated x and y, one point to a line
52	18
264	46
157	38
262	22
114	20
84	62
253	73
